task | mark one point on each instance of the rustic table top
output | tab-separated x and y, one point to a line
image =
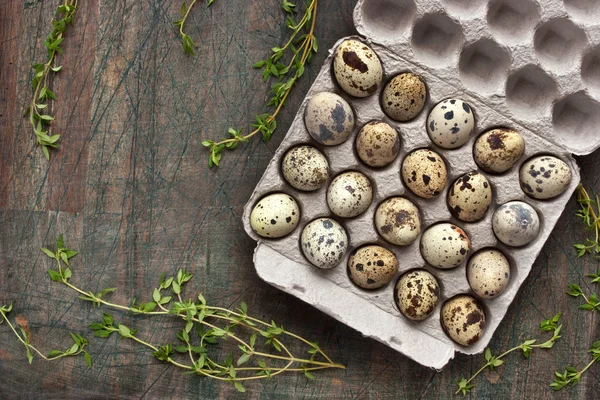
131	190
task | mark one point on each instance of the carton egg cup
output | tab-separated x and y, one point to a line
533	66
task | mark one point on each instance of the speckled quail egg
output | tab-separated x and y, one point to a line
329	119
403	97
305	168
397	221
545	177
275	215
450	123
424	172
357	68
497	150
463	319
377	144
488	273
445	245
324	242
372	266
516	223
417	294
349	194
470	197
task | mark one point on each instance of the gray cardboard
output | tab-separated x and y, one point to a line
509	81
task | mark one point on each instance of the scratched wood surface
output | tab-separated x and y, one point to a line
131	191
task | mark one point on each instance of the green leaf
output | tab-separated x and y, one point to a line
308	375
29	355
88	359
239	387
102	333
243	359
54	353
244	308
149	307
496	362
156	295
48	252
70	253
201	299
188	326
55	276
259	64
56	69
586	307
67	272
488	354
124	331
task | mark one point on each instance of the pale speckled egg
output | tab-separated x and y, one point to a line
397	220
305	168
445	245
372	266
349	194
324	242
417	293
424	172
516	223
450	123
488	273
545	177
463	319
470	197
329	119
377	144
404	96
357	68
497	150
275	215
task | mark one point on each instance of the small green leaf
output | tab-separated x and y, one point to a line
156	295
239	387
243	359
55	276
54	353
88	359
124	331
67	272
48	252
29	355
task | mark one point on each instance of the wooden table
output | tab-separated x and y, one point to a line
131	190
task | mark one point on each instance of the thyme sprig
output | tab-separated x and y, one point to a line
589	213
262	354
39	118
571	376
465	386
299	48
186	41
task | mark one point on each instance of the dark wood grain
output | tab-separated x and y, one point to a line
131	190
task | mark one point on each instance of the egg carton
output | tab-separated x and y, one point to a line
533	66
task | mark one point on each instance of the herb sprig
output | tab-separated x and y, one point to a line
571	376
465	386
589	211
299	48
186	41
261	355
39	118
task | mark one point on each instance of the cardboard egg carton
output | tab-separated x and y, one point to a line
533	66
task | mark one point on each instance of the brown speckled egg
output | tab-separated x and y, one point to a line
445	245
397	221
372	266
488	273
275	215
377	144
424	172
450	123
463	319
497	150
404	96
417	294
329	119
470	197
357	68
305	168
545	177
324	242
349	194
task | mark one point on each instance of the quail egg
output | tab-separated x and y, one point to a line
445	245
463	319
545	177
404	96
324	242
497	150
397	221
424	172
450	123
377	144
275	216
417	294
329	119
516	223
488	273
349	194
470	197
305	168
372	266
357	68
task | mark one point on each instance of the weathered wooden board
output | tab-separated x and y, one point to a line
131	191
